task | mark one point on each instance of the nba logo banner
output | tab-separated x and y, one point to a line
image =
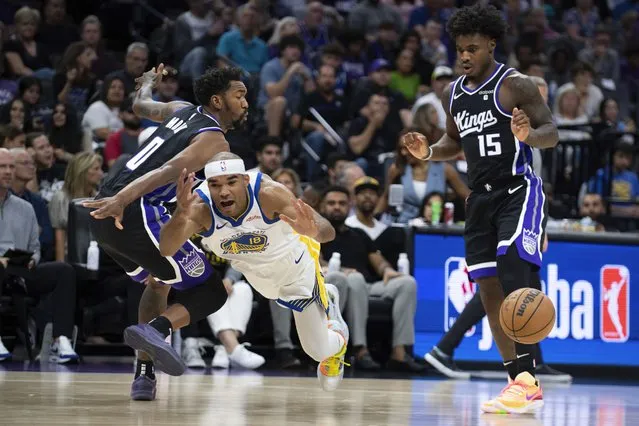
615	298
458	291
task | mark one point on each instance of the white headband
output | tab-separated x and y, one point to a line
224	167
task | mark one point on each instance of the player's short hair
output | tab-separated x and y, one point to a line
477	19
225	155
215	81
336	188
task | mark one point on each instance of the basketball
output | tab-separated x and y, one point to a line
527	316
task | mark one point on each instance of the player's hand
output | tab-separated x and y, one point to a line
304	223
389	274
107	207
153	76
520	125
185	196
416	144
4	261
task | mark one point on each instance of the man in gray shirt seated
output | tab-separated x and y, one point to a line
19	231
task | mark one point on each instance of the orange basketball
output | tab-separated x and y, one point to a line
527	316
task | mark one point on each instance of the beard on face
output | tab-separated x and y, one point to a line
336	219
366	207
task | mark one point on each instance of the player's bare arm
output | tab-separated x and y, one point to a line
203	147
191	216
144	106
278	201
532	120
446	148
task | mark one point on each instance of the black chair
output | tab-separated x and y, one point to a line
15	302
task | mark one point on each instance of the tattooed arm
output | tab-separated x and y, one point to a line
145	107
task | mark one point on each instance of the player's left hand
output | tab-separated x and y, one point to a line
107	207
304	223
520	124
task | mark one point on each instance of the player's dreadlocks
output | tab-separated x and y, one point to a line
477	19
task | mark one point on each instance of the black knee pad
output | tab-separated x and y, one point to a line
515	273
203	299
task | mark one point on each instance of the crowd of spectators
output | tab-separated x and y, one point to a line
332	87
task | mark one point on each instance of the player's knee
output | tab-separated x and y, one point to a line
243	290
203	299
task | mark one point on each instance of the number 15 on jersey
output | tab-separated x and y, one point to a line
489	145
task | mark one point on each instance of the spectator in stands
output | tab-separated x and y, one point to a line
411	40
419	179
426	209
355	62
569	111
269	155
432	46
241	45
19	230
441	78
65	133
347	175
362	268
404	79
290	179
137	57
426	120
50	175
561	57
125	140
367	191
590	95
74	83
11	137
283	81
385	44
25	55
625	183
609	115
436	10
81	180
368	15
313	30
312	194
30	91
285	27
331	106
196	32
103	116
582	21
593	206
368	137
17	114
25	172
58	28
229	323
332	54
603	58
165	91
91	33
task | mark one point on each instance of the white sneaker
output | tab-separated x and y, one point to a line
4	352
331	370
191	353
221	358
61	351
243	358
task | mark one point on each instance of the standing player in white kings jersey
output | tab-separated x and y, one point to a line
274	240
496	115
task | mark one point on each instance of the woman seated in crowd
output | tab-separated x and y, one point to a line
419	178
25	55
103	116
290	179
65	133
81	180
17	114
74	83
30	91
11	137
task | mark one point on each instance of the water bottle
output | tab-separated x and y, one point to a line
335	264
403	264
93	256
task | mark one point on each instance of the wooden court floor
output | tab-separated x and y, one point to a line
67	398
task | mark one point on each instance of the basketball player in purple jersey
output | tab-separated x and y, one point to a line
496	115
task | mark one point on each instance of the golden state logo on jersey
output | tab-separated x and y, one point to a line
248	242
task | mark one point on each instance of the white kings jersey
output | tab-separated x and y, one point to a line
277	262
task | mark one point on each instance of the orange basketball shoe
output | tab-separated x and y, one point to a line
522	395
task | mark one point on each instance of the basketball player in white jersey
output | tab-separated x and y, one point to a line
274	240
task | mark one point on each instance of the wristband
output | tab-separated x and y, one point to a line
430	154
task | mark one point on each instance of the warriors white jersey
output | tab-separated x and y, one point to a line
277	262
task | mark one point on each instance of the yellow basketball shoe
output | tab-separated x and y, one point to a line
522	395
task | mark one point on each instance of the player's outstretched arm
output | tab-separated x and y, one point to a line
532	120
446	148
189	218
277	201
144	106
